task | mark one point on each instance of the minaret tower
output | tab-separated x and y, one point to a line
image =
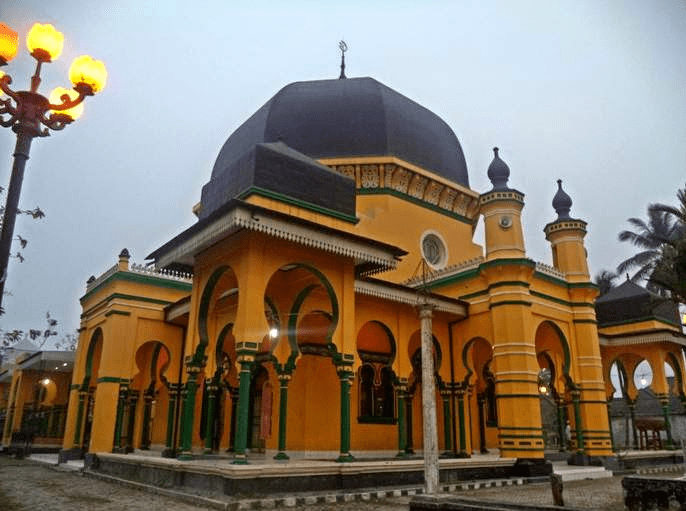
502	211
566	237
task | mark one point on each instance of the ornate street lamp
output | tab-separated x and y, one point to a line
31	114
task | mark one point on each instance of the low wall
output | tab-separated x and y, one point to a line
452	503
650	493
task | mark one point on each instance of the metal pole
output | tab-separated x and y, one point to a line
21	154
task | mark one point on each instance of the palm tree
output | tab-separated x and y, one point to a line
605	280
670	271
651	238
661	241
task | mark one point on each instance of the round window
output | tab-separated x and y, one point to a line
433	250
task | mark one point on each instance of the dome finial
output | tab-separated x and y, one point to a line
498	172
562	203
343	47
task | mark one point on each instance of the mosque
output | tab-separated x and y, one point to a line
336	228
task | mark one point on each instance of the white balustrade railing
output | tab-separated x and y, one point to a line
141	269
549	270
161	273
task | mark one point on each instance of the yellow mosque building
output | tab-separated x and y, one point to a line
338	224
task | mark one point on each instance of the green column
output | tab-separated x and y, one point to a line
243	412
409	424
402	424
233	392
345	375
576	396
79	419
133	402
211	392
460	417
173	393
121	402
188	413
632	413
664	401
609	421
283	415
562	424
148	398
447	423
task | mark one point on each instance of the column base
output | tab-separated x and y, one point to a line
345	458
169	453
403	454
532	467
464	454
65	455
584	460
185	456
240	459
282	456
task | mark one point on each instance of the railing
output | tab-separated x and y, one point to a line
161	273
546	269
142	269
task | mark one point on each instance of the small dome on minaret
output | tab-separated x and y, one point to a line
562	203
498	172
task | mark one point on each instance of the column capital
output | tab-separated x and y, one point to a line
194	366
425	309
401	385
284	378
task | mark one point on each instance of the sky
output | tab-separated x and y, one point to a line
588	91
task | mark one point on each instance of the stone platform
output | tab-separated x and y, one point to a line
216	475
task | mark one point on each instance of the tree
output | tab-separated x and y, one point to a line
605	280
36	213
662	240
670	270
39	336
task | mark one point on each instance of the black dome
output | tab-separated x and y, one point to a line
562	203
348	118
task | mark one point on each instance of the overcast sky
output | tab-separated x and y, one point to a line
592	92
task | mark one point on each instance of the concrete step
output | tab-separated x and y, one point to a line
579	473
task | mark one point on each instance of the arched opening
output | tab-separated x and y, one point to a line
261	403
302	311
376	396
477	357
223	390
84	419
143	405
558	420
415	403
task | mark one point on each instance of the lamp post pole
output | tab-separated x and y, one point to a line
21	154
30	114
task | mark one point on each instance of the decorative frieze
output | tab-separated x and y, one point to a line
420	186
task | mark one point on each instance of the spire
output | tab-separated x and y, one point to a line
343	47
562	203
498	172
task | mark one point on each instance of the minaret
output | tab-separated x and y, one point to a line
502	211
566	237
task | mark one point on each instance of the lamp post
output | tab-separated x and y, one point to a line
30	114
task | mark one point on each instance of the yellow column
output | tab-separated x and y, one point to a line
520	434
116	363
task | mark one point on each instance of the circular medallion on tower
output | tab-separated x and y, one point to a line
434	250
505	221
